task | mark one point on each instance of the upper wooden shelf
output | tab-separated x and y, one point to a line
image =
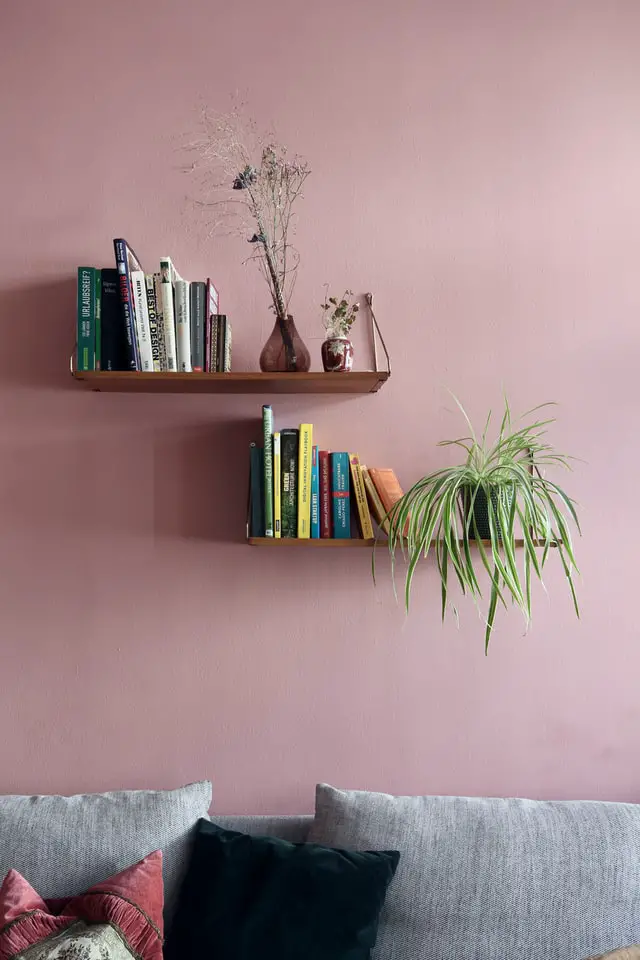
365	381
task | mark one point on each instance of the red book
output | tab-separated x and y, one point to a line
324	470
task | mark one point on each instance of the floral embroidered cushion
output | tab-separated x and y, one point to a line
120	919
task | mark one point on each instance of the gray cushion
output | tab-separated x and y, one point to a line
63	845
489	879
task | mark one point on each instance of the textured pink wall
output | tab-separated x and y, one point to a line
476	165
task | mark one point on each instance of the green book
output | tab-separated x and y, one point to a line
289	486
86	329
98	347
267	427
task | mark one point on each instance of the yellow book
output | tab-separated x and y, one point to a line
277	487
357	480
375	502
304	481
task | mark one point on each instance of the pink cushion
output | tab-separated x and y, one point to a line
131	902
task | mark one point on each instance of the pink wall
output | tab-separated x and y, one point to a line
476	165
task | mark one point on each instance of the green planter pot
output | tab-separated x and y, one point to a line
481	510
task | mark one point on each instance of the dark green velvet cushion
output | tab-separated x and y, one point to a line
261	898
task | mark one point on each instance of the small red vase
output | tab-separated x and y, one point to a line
337	355
284	351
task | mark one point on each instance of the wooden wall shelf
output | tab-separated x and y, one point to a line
125	381
295	542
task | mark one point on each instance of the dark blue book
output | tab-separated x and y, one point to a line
340	497
113	339
124	256
256	498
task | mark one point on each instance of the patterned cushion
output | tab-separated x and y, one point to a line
66	844
624	953
120	919
490	879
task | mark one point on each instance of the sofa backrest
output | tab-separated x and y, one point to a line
294	829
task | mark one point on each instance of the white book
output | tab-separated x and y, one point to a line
168	322
141	310
183	326
160	317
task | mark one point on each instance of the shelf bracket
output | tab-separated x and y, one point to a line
375	336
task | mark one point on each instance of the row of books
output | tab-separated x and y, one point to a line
153	322
297	490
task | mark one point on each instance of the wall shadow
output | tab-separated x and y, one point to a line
37	331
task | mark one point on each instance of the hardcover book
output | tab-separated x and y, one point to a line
152	311
267	430
304	481
125	257
162	353
340	499
375	503
141	314
183	325
214	337
98	347
277	483
198	309
315	495
256	505
289	444
386	483
114	354
359	492
212	306
168	316
324	470
223	354
86	325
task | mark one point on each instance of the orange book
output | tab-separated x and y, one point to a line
386	483
375	503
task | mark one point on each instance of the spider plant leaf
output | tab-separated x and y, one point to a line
491	614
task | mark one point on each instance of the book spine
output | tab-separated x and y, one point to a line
183	326
366	527
324	470
227	346
277	483
157	289
198	309
213	344
289	489
256	507
304	481
315	495
113	342
221	345
267	429
126	298
152	312
98	333
141	314
375	503
340	499
166	284
86	328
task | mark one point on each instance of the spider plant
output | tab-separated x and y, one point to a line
474	514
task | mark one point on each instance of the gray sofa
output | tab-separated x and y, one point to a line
479	879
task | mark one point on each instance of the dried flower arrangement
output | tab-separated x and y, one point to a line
249	182
338	316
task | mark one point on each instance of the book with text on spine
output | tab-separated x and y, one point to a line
324	471
277	481
152	310
126	261
198	311
304	481
340	498
212	308
141	314
267	430
157	289
114	354
86	322
183	325
256	505
315	495
360	494
289	449
167	274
